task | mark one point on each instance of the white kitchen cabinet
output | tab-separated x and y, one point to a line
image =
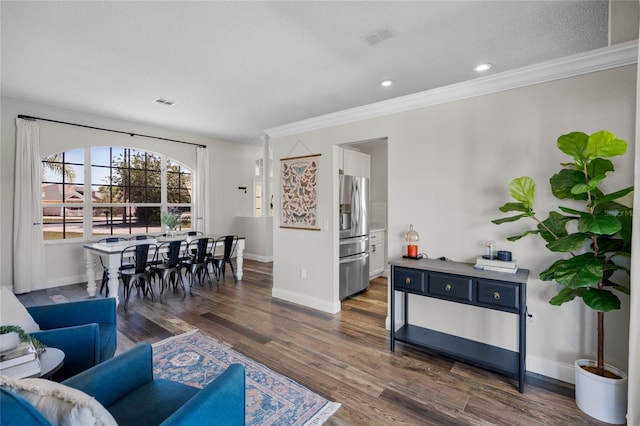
356	163
376	254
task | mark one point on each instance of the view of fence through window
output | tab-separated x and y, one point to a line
127	189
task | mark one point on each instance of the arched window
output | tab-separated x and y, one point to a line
127	190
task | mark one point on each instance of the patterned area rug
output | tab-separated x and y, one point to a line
271	399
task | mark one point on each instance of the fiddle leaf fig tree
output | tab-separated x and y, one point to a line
600	232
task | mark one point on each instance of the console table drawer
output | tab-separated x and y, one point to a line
409	279
499	295
451	287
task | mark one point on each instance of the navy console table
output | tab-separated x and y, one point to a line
462	283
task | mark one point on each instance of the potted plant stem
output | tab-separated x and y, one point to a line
595	240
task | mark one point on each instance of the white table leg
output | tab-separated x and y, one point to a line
239	259
90	261
113	265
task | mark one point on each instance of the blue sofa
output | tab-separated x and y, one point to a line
125	386
85	330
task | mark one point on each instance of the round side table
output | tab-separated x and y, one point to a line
51	361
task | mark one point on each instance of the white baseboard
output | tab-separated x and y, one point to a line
62	281
257	258
302	299
553	369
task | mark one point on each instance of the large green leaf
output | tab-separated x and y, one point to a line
604	144
599	167
582	188
568	243
624	215
583	270
523	189
607	244
514	207
554	226
508	219
601	300
517	237
599	223
574	144
563	181
566	295
612	196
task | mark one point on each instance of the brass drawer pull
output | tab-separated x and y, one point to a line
447	287
496	295
407	280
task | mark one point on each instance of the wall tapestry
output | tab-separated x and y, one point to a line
300	192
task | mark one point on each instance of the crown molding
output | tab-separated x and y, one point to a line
569	66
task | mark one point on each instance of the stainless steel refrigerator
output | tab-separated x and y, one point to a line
354	235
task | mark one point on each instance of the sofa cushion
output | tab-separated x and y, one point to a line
12	312
60	404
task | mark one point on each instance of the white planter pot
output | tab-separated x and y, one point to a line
601	398
9	341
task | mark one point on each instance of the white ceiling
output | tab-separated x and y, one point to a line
235	68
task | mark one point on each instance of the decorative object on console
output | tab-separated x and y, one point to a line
412	238
602	238
496	265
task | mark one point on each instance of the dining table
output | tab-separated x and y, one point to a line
111	254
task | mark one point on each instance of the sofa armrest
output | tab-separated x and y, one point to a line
80	344
221	402
102	311
109	381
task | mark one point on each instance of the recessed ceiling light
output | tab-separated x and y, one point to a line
386	83
483	67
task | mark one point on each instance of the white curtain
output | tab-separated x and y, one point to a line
28	245
201	200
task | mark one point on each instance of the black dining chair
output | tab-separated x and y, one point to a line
105	271
169	270
222	251
142	237
196	260
140	274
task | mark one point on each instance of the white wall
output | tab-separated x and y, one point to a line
231	165
260	246
449	166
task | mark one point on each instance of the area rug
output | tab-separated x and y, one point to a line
271	399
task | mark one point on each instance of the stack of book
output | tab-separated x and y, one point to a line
495	265
21	361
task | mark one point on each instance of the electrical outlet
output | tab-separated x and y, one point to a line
531	318
303	273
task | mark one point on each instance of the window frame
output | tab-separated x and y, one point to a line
88	205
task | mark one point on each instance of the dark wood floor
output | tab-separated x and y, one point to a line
344	357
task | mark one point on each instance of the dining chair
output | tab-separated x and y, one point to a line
140	274
223	249
169	269
105	277
196	262
142	237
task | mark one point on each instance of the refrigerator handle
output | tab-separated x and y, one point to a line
356	258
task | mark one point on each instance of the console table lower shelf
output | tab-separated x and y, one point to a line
469	351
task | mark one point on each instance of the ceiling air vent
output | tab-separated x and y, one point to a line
166	102
379	35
